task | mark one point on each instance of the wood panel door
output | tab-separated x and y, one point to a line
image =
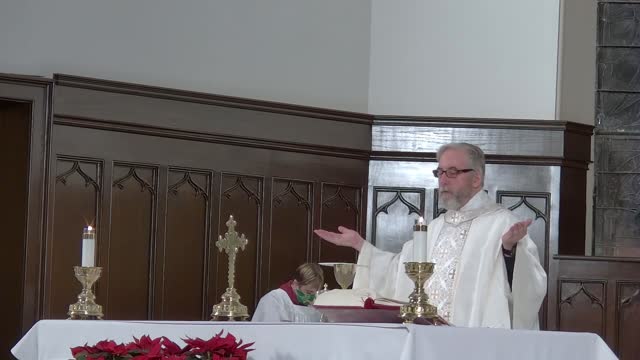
25	126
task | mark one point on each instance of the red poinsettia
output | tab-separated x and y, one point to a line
146	348
145	343
103	350
82	350
219	347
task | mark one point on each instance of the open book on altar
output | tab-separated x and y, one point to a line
362	306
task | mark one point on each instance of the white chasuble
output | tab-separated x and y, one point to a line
469	285
446	253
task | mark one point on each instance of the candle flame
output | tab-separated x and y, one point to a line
89	228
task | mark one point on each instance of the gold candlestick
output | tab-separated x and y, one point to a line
418	306
230	308
86	308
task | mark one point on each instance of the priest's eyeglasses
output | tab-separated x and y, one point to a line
451	173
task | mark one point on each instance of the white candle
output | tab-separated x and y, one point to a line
88	247
420	241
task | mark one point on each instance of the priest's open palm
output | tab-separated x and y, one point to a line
345	237
515	233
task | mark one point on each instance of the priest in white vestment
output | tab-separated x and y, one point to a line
479	280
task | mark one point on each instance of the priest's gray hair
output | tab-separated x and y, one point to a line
474	153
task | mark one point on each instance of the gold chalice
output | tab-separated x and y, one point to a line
344	273
418	306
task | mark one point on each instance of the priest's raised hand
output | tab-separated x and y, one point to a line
515	233
345	237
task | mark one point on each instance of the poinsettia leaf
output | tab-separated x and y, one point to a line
176	357
155	351
134	352
246	346
79	349
170	347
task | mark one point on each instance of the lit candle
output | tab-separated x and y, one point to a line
420	241
88	247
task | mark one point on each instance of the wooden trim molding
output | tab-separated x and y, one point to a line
598	258
486	123
210	99
68	120
25	79
490	159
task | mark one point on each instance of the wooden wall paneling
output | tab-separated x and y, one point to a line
238	121
264	257
627	319
131	244
395	209
15	123
272	139
620	303
159	252
553	297
571	225
581	305
291	229
103	236
77	194
316	210
23	290
243	197
183	266
341	206
212	296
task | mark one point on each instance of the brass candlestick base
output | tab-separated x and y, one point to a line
86	308
418	306
230	308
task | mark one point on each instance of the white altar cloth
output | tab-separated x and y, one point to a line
52	339
440	342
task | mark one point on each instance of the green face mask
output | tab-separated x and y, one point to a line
304	299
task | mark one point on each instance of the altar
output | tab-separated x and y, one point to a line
52	339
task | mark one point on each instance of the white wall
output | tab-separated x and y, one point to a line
490	58
297	51
577	78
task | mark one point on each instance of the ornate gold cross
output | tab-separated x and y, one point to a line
230	243
230	308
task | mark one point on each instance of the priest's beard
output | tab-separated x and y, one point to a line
454	199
